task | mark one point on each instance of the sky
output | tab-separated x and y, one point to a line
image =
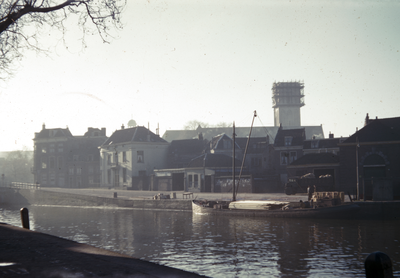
213	61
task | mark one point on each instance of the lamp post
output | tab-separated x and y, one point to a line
358	179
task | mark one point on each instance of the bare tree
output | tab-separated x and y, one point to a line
223	124
17	166
22	20
194	124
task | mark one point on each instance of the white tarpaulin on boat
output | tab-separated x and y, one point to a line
257	205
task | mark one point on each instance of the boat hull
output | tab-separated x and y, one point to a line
335	212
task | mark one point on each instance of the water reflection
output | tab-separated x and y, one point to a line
219	246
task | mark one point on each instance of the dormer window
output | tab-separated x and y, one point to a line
314	144
288	140
227	144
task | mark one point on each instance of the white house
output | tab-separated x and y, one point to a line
130	156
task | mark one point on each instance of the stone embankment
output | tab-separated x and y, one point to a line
122	198
144	200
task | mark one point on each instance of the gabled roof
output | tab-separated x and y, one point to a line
216	144
209	133
189	146
53	132
212	160
134	134
327	143
242	142
378	130
316	158
298	137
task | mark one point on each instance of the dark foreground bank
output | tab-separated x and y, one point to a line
24	253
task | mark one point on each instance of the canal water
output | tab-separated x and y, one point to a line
218	246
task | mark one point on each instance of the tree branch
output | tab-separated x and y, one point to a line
28	8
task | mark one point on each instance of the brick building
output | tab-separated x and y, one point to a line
373	153
64	160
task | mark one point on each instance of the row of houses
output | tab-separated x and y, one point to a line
202	160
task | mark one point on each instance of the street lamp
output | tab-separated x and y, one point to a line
358	179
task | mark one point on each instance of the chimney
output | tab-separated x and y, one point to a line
200	136
330	135
122	127
103	131
366	120
43	126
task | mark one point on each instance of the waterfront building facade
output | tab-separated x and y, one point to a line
130	156
64	160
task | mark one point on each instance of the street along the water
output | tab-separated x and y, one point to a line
219	246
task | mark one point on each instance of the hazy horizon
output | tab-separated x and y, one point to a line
212	61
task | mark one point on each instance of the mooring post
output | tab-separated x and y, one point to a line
25	218
378	265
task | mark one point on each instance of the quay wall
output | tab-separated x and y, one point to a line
21	197
42	197
379	210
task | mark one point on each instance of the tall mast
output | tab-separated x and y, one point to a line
233	164
244	156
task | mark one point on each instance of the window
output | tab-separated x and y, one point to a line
140	156
256	162
52	179
60	148
71	181
91	169
78	182
196	181
91	180
44	150
293	156
71	170
60	162
109	159
44	162
124	156
190	180
51	150
78	171
44	179
124	174
284	158
52	162
288	140
227	144
314	144
142	173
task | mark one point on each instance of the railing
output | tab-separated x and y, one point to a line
23	185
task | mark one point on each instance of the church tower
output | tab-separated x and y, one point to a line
287	98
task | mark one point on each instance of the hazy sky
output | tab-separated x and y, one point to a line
213	61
